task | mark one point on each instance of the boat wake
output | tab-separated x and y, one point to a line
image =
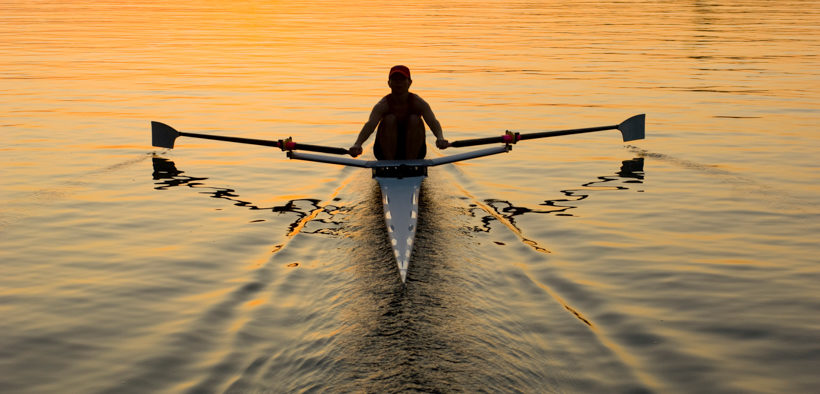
33	201
777	198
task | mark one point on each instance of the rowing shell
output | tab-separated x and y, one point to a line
399	180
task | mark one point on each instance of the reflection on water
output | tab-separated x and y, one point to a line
630	173
632	170
169	176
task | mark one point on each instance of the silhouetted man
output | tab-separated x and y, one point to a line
399	117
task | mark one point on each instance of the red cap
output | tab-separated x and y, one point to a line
403	70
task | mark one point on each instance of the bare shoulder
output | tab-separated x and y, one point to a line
421	104
420	101
378	111
382	105
418	98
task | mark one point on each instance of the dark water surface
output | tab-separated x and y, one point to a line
687	262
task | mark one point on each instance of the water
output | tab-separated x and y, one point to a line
686	262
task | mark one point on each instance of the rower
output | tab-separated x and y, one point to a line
399	117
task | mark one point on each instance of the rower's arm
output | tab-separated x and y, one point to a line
430	118
375	117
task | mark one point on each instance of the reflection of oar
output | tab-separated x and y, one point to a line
164	136
631	129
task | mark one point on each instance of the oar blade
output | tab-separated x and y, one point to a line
162	135
633	128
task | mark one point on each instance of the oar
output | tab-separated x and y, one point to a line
163	136
631	129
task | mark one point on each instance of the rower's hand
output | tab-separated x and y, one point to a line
355	150
442	144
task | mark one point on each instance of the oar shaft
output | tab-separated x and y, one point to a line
631	129
288	145
511	138
544	134
251	141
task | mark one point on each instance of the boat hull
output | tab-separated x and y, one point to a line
400	200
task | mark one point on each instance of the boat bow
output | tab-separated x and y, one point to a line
400	201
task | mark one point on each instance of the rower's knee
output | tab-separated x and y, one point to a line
415	126
414	121
389	120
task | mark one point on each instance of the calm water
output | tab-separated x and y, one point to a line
687	262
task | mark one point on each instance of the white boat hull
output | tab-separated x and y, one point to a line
400	199
400	182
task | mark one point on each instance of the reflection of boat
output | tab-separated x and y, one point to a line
399	180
